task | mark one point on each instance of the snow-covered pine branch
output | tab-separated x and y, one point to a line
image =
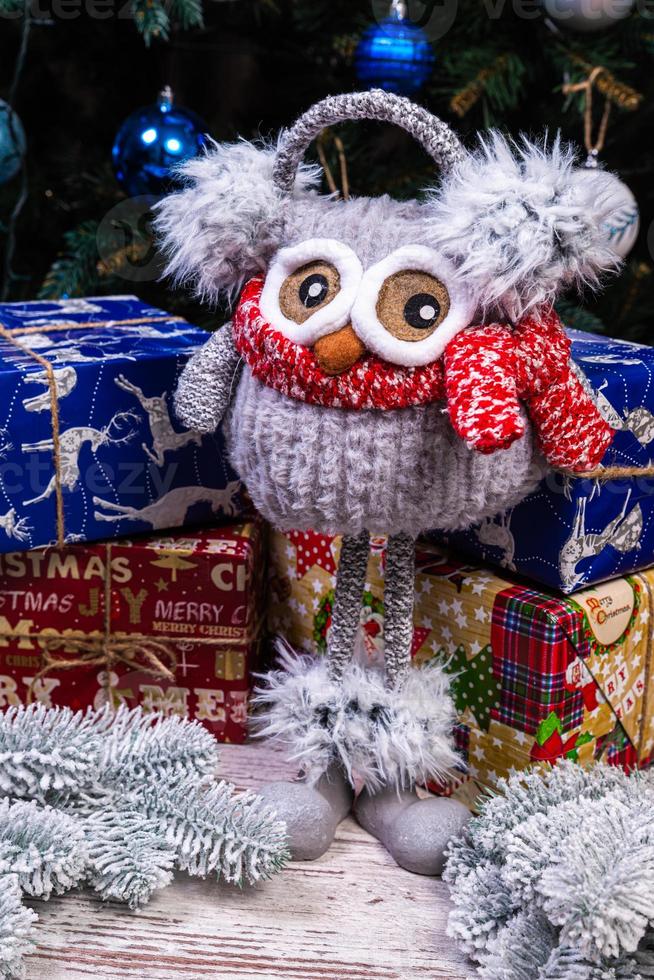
45	848
16	928
555	878
117	800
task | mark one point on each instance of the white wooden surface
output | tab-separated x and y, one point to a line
353	915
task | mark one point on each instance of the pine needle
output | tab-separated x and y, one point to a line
555	878
118	801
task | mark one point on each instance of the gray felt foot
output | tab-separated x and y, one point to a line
415	832
311	813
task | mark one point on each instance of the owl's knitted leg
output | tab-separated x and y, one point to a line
346	614
391	728
304	706
414	742
398	606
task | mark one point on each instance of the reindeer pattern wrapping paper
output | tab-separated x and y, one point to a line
571	533
539	677
88	447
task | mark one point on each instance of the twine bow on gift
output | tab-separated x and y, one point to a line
105	650
134	650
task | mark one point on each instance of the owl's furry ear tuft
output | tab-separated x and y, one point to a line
523	221
226	222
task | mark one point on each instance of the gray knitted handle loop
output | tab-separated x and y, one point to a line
435	136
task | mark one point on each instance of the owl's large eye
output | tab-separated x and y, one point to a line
410	305
308	288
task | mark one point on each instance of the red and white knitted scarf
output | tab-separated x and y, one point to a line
486	376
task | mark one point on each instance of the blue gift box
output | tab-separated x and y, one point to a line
571	533
89	447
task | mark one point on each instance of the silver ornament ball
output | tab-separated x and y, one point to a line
622	217
587	15
624	224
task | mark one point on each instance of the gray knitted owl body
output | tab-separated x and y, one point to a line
390	367
342	472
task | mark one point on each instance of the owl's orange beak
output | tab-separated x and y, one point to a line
338	351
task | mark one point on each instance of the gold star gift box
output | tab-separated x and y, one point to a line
538	676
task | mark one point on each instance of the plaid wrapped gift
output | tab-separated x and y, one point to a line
533	633
538	677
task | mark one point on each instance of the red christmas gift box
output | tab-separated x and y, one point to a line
170	623
539	677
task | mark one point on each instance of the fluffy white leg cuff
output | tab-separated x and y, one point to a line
399	737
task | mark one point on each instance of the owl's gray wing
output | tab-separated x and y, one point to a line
207	383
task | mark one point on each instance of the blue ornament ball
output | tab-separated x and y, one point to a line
394	55
12	142
151	142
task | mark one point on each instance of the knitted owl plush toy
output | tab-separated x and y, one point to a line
390	367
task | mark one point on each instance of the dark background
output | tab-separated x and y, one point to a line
251	68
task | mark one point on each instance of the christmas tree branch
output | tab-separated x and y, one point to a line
43	847
187	13
151	19
74	272
485	74
536	890
575	317
468	96
118	800
617	92
16	932
44	751
139	748
214	831
128	859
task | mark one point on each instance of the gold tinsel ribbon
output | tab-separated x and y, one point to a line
613	90
462	102
11	336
